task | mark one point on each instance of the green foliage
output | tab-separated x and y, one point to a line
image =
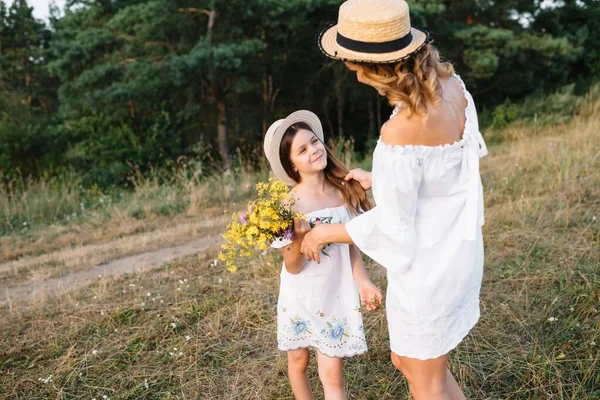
114	84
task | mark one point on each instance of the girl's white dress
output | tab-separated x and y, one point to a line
320	307
426	231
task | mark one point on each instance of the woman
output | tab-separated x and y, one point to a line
426	228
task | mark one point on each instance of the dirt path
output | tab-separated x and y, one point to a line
138	263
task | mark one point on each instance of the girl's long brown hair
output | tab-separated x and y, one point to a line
335	172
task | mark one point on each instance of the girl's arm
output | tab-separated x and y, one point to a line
292	258
370	296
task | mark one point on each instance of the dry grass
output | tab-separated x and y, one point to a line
76	258
191	330
40	217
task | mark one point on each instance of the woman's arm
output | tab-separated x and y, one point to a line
321	235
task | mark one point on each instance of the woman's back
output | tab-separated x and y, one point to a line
444	122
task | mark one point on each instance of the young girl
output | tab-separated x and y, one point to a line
319	305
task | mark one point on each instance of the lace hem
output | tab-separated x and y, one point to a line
328	354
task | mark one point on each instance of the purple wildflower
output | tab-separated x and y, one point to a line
243	218
288	234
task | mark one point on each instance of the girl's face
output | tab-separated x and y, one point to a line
360	76
308	154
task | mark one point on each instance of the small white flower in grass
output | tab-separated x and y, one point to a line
572	309
592	343
175	348
552	319
173	325
188	338
146	383
94	352
25	223
45	380
162	301
148	294
220	280
560	356
180	353
185	280
215	263
179	289
180	282
143	305
594	218
100	276
101	312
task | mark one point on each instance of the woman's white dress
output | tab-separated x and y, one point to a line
426	231
320	307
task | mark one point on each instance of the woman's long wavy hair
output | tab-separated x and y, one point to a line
413	82
335	172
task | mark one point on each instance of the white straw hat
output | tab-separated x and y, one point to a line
275	134
372	31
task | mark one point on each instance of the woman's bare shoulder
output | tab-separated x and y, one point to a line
403	130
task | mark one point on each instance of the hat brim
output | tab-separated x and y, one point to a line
273	143
329	46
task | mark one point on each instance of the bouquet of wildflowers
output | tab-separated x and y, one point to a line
266	218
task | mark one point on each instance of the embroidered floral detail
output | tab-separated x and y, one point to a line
336	329
299	326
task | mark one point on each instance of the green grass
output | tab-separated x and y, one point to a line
538	337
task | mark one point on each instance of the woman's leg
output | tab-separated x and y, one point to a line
454	390
428	379
297	366
330	373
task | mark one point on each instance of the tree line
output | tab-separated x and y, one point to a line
107	85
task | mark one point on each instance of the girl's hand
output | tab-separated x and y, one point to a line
370	296
361	176
301	228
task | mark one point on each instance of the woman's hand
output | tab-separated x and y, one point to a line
361	176
312	244
370	296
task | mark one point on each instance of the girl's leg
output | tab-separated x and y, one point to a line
330	373
428	379
297	366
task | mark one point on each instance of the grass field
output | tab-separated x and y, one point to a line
192	330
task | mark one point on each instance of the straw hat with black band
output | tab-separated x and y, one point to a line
275	134
372	31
